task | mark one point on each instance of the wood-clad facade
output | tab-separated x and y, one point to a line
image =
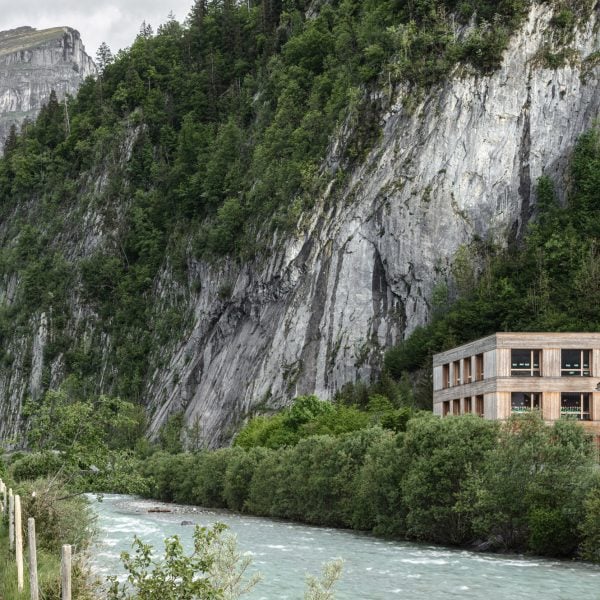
507	373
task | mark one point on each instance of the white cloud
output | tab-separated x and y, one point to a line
116	22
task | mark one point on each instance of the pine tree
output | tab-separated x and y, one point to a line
11	141
104	57
146	30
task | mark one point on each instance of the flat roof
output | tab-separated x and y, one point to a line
520	339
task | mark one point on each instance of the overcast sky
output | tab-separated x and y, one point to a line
116	22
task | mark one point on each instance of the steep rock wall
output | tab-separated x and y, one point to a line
32	64
462	164
456	164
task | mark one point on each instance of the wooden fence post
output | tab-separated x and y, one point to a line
33	574
19	542
65	571
11	520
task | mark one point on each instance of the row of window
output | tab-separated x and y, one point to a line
452	407
524	363
574	405
469	374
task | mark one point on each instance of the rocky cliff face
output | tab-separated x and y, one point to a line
32	64
462	164
456	165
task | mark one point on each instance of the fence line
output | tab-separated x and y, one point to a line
10	506
65	568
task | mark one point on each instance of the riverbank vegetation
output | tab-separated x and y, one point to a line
521	485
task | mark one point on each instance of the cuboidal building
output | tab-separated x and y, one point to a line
507	373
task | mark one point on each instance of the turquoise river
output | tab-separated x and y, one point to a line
374	569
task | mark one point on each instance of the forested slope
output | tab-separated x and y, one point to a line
258	203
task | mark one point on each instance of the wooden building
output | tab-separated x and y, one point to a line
507	373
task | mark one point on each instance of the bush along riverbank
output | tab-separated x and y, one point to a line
374	466
519	486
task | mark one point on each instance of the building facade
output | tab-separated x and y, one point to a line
510	373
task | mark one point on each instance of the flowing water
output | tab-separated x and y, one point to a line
374	569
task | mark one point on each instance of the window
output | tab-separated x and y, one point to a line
456	372
575	405
446	376
456	407
479	367
467	405
446	408
479	405
525	401
467	370
525	363
575	362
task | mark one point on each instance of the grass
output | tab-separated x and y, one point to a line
48	572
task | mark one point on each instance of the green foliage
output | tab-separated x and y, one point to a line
169	476
209	476
82	430
36	465
531	488
238	477
377	504
170	436
269	432
89	441
176	577
521	485
442	453
309	416
590	527
61	517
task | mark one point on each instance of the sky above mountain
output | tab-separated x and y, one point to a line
116	22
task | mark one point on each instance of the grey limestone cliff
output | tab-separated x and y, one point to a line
32	64
457	164
462	164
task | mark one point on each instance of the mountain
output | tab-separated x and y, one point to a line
257	205
32	64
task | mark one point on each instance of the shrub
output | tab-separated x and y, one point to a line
238	477
209	476
377	502
60	517
36	465
590	527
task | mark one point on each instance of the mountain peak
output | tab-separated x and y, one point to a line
33	63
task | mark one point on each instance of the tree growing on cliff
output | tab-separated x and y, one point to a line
104	57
